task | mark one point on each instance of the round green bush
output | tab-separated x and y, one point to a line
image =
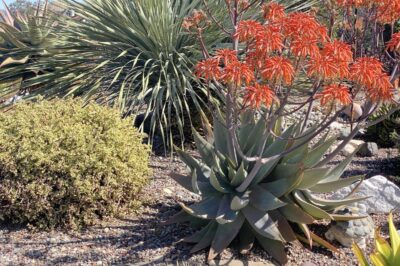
62	165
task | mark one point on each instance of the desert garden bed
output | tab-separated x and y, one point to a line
143	239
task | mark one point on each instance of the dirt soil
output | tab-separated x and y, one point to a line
143	239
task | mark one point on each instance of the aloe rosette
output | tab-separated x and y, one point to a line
282	194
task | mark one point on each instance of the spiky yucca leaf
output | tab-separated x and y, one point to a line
24	38
279	197
385	254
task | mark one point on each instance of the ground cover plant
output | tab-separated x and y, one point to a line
65	166
257	178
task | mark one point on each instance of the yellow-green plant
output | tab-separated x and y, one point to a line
62	165
385	254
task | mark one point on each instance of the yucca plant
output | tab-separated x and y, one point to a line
281	198
385	254
24	38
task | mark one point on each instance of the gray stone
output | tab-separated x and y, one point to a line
384	195
368	149
349	232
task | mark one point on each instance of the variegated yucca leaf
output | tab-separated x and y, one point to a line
282	195
385	254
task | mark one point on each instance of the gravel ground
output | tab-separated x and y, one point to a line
143	239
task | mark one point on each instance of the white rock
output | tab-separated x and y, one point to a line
384	195
351	147
354	111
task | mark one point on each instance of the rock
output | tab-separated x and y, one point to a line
353	112
343	130
347	232
368	149
352	146
384	195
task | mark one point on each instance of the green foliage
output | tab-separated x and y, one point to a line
25	37
385	254
63	165
279	196
383	132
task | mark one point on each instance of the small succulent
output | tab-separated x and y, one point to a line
280	197
385	254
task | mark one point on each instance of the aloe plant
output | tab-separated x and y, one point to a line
281	196
385	254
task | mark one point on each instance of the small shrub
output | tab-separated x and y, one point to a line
383	132
64	166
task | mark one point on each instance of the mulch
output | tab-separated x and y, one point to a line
143	239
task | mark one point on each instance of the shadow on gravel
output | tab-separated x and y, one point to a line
135	241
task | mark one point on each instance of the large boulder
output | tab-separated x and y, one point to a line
384	195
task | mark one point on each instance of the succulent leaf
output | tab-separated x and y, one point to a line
206	209
335	185
196	237
275	248
331	203
219	183
283	225
246	238
282	186
207	238
337	171
312	176
262	223
362	260
240	201
205	149
239	176
310	208
295	214
264	200
315	155
224	236
225	213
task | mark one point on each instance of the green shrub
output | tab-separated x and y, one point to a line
64	166
382	132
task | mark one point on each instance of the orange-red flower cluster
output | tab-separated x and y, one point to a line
274	52
258	94
368	72
335	93
388	11
195	20
332	61
304	33
273	11
394	43
277	69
